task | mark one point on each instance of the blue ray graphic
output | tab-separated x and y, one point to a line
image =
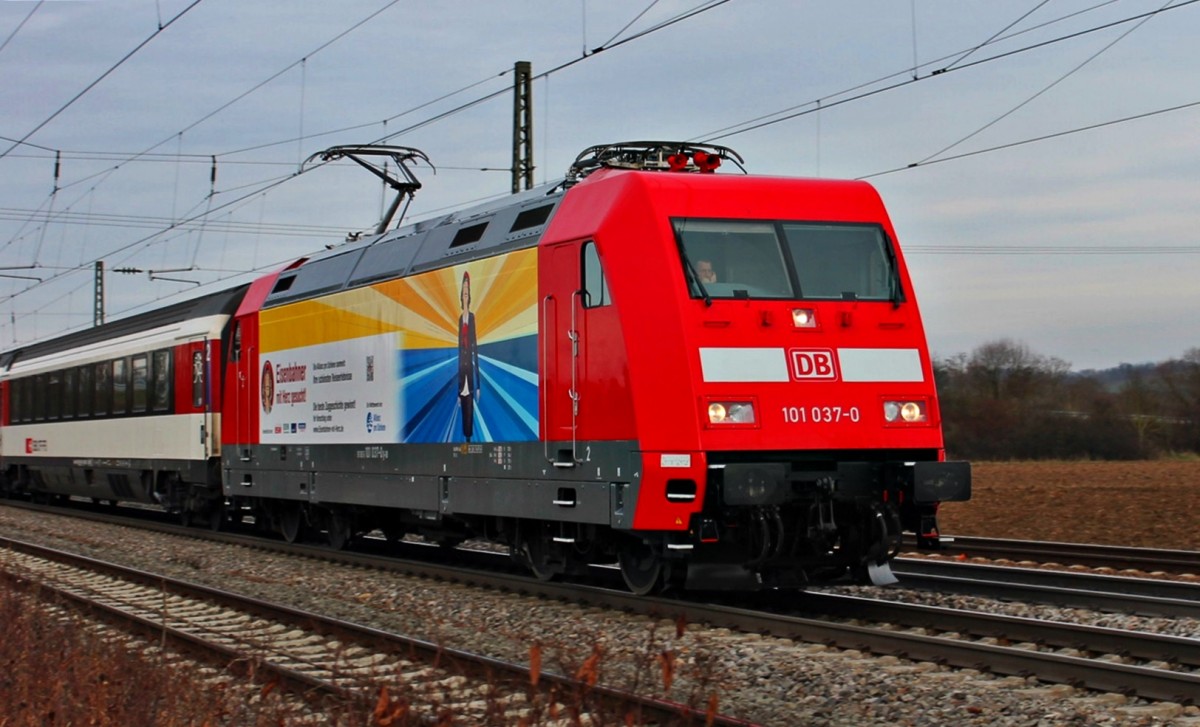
507	407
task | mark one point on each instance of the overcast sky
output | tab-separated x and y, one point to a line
1082	245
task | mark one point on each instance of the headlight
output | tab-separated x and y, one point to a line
804	318
905	412
731	412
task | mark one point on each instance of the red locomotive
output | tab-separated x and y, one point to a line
714	380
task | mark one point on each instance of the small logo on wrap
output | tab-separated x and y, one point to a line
375	423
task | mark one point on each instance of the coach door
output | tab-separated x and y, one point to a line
201	393
243	386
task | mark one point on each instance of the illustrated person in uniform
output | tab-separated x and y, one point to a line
468	360
268	387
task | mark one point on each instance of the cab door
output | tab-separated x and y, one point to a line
558	274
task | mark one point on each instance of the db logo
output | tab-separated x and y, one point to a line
813	363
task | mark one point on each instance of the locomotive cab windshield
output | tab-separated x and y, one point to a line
787	260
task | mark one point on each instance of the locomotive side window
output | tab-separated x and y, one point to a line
161	391
595	285
120	387
139	375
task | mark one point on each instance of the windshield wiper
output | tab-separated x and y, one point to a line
695	277
687	263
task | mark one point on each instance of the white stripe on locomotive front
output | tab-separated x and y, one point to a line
770	365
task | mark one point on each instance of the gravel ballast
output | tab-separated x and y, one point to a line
762	679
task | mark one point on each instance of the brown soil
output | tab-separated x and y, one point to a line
1149	504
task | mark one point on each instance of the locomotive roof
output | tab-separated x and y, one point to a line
511	223
220	303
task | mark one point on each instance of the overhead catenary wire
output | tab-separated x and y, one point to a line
1035	139
21	24
659	26
1075	69
802	109
102	76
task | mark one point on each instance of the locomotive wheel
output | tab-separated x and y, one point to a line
641	567
290	520
539	558
339	532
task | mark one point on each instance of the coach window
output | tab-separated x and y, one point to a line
39	398
120	386
595	285
14	401
161	396
27	400
68	395
87	392
103	401
141	381
54	396
17	401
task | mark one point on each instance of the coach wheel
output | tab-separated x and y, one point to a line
290	520
216	517
339	531
641	567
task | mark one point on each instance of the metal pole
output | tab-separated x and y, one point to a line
522	160
98	303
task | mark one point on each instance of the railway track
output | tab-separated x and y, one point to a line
1092	556
324	660
1093	591
1163	668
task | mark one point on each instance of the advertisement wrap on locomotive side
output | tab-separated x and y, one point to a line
443	356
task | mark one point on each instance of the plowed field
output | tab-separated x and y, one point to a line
1150	504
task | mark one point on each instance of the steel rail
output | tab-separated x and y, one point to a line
1094	556
1016	629
1142	596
